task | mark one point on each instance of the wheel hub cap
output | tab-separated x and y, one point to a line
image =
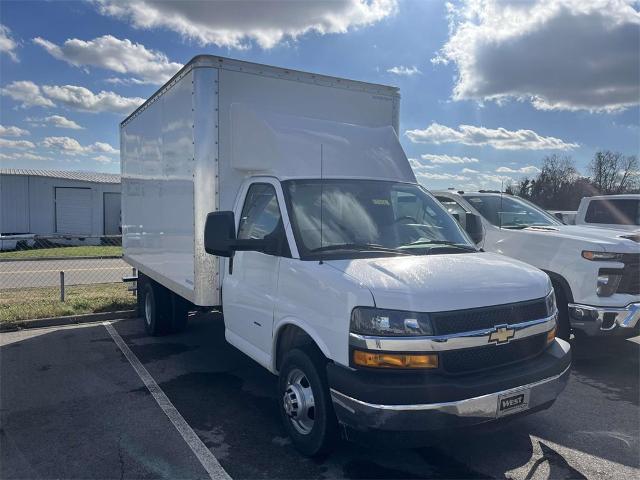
298	402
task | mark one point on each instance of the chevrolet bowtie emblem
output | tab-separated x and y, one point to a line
501	334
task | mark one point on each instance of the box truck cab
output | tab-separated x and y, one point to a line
285	199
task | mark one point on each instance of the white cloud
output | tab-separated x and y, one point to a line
71	146
417	165
83	99
559	55
404	71
441	176
498	138
528	169
237	24
22	156
6	143
27	93
111	53
12	131
448	159
103	159
57	121
469	170
7	43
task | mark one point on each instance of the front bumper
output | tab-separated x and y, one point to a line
422	401
594	321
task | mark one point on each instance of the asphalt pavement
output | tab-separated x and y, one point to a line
73	406
46	273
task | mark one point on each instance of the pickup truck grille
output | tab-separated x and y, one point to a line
491	356
458	321
630	282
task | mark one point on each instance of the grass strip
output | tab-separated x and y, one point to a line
44	302
82	251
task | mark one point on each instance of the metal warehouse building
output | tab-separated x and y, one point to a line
45	202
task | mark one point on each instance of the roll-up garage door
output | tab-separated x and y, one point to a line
73	210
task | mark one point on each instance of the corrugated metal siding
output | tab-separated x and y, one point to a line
93	177
14	200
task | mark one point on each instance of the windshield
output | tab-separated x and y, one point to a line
369	216
510	212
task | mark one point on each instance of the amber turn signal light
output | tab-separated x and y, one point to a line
551	335
394	360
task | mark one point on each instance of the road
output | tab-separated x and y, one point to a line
46	273
74	407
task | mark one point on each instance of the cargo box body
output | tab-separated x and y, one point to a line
186	151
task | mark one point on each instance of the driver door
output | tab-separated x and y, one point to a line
250	289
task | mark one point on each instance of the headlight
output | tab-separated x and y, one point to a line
602	256
608	282
389	323
550	300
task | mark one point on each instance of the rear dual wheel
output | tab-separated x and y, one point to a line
162	310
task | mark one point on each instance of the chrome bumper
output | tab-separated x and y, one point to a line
600	320
435	416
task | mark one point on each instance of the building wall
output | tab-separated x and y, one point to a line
30	201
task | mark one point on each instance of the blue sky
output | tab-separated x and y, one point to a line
489	87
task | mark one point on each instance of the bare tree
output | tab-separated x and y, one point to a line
613	172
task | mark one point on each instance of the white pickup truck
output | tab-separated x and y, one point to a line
595	272
285	199
621	212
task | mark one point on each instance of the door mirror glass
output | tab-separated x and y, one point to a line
220	234
473	226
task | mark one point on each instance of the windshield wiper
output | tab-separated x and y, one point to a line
359	247
444	243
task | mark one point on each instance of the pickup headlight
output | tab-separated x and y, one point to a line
550	300
601	256
389	323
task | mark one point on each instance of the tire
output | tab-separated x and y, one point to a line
156	308
313	429
179	313
564	326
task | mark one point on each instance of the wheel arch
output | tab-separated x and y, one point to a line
292	333
558	279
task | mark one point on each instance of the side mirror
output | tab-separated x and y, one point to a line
220	234
220	238
558	215
473	226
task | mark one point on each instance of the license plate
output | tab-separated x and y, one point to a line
513	402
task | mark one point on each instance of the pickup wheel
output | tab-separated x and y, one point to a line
305	404
156	308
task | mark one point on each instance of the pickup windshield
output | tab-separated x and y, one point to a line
356	218
510	212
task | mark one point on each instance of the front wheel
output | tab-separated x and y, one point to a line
305	404
564	326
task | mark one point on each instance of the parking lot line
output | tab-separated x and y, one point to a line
204	455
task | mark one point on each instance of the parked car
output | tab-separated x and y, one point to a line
595	272
285	199
621	212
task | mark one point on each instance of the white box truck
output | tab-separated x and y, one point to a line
285	199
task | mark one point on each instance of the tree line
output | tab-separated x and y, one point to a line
559	185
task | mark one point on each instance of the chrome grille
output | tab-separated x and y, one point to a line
630	281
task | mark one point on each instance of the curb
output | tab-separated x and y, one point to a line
68	320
